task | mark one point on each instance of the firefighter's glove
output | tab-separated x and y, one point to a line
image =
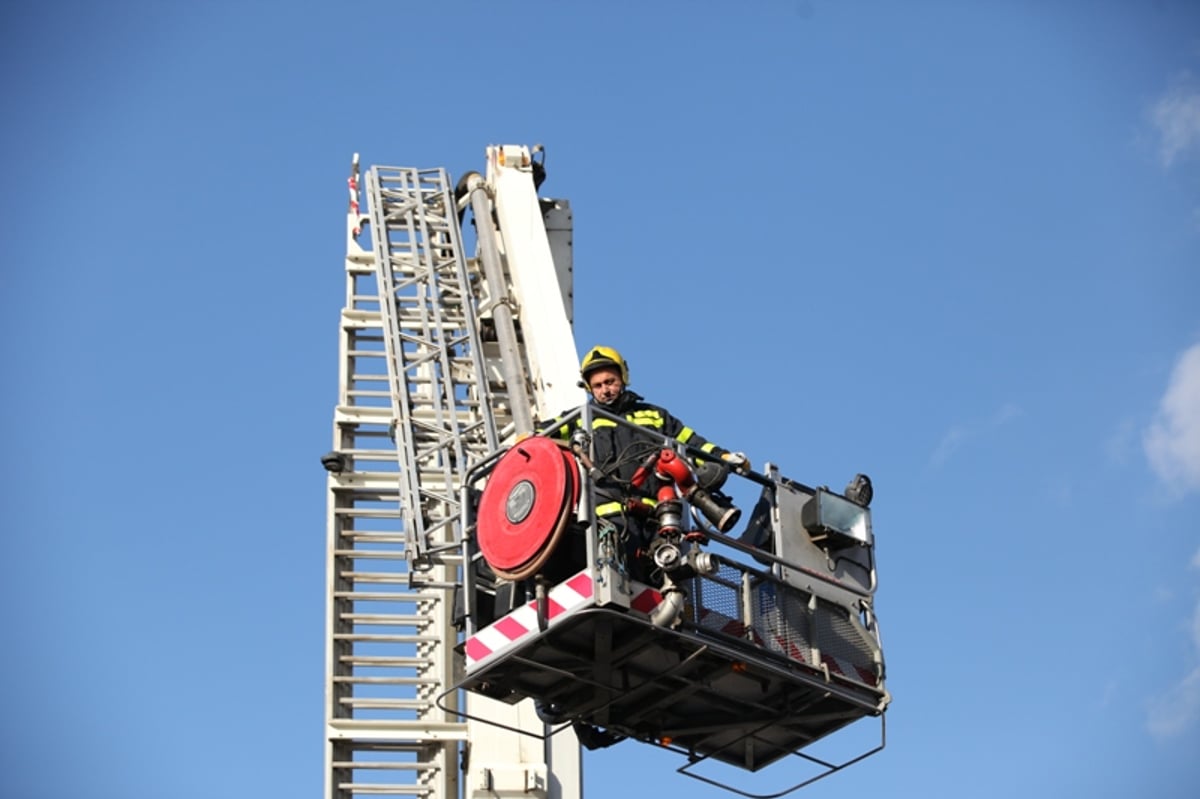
738	461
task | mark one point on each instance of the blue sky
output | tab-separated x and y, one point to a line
956	246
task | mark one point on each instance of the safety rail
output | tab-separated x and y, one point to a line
747	648
771	535
744	648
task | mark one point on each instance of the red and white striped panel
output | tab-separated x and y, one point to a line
849	670
507	632
722	623
645	598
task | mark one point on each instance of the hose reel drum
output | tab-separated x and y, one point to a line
528	502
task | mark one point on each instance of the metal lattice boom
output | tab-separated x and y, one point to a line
412	411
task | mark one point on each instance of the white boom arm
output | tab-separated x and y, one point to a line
541	300
504	763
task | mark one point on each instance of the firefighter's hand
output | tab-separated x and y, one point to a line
737	460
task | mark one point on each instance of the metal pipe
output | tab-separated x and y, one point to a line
502	312
668	612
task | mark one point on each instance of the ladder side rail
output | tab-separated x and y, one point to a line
387	262
449	286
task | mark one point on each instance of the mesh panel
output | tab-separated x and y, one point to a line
840	638
716	602
782	622
782	619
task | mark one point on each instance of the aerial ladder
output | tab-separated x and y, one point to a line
468	645
432	379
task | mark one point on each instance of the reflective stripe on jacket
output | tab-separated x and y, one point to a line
617	451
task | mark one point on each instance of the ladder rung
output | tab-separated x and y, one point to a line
374	703
370	513
385	765
385	790
365	554
388	731
387	680
391	619
390	596
379	661
379	638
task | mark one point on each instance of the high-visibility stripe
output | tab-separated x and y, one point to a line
613	508
646	418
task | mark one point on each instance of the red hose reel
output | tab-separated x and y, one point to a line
530	496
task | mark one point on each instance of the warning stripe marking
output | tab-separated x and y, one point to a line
849	670
646	600
506	632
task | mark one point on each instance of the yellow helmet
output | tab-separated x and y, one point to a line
600	356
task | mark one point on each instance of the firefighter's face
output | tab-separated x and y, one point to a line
605	384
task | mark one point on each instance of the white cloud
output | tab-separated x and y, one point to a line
1196	630
1179	708
960	434
1172	441
1176	711
1007	412
950	443
1176	115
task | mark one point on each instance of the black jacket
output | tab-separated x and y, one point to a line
618	450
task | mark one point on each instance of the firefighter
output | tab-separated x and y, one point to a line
618	451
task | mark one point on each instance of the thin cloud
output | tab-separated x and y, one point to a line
1176	116
1007	413
1172	441
960	434
949	444
1177	710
